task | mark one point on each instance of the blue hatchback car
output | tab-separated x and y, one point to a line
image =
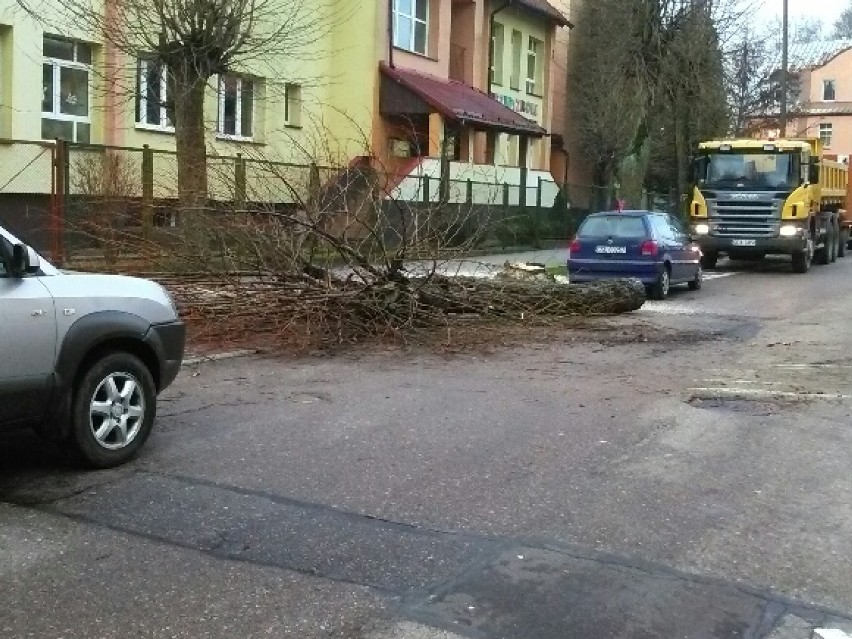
652	247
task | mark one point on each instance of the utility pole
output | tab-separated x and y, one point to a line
785	45
742	107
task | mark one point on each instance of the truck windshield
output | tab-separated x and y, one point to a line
750	171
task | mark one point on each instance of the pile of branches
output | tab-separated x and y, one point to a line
337	311
335	268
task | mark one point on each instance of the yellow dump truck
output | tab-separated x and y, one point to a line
758	197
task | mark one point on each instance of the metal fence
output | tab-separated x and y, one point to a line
69	199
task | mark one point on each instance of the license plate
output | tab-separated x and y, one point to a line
611	249
743	242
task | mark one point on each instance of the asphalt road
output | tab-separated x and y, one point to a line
683	472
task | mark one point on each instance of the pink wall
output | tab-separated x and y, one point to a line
437	59
562	121
838	69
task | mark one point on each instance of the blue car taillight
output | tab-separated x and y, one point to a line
649	248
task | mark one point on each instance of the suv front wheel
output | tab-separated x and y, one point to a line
113	411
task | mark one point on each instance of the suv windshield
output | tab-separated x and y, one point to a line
749	170
617	226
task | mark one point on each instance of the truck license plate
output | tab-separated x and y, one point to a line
741	242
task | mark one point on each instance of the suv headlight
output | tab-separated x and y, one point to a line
171	300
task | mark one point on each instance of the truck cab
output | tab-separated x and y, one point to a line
758	197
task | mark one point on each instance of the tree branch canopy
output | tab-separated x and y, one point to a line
195	40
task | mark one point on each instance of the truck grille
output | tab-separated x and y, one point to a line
753	218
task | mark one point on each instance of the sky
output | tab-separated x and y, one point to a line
826	10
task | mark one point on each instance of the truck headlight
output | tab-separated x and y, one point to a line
702	229
789	230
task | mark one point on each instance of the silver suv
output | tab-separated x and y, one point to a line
83	357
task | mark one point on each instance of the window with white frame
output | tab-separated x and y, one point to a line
236	106
154	95
829	90
66	89
826	131
517	46
498	40
292	104
535	63
411	25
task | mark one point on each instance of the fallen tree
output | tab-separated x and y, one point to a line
337	311
334	266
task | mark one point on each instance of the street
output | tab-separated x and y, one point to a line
680	472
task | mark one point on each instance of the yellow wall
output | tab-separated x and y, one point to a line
529	25
337	72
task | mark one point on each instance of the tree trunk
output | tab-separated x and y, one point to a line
680	155
190	143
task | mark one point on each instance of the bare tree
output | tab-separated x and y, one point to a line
843	24
640	57
807	30
104	185
751	94
195	40
692	102
608	109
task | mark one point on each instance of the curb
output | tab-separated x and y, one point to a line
215	357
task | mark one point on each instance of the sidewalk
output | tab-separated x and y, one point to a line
488	265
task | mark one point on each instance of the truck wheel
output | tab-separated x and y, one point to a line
709	259
660	290
835	240
113	410
841	244
822	256
802	259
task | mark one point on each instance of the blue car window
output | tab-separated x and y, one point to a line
678	227
616	226
664	230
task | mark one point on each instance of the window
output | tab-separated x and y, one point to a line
410	25
826	131
293	104
154	95
534	66
614	226
66	71
236	106
498	38
677	231
515	78
829	90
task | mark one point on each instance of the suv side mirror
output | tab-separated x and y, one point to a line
24	260
34	260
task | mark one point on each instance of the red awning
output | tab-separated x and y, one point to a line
454	100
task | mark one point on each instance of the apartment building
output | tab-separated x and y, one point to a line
460	88
469	82
822	77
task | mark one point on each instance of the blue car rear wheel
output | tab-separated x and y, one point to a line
660	289
695	284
